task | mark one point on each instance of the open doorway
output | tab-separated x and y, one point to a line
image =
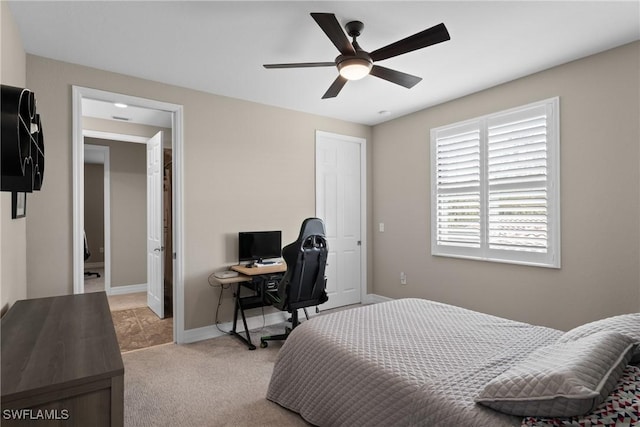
114	137
115	213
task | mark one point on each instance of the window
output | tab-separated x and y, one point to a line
495	187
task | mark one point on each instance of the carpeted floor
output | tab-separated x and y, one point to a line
139	327
217	382
94	283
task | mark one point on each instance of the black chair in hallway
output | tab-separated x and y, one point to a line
303	284
87	254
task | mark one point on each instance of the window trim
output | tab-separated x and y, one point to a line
550	259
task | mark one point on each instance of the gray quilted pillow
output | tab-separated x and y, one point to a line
626	324
562	379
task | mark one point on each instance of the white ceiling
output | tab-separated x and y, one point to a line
126	113
219	47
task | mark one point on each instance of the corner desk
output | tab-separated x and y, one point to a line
255	279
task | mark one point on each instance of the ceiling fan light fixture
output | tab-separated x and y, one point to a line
354	68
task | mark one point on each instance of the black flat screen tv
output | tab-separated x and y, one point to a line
257	246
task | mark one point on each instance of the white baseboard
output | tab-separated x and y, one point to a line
374	299
94	264
128	289
254	321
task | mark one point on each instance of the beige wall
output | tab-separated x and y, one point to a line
600	137
247	166
94	210
13	247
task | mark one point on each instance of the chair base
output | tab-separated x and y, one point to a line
91	273
281	337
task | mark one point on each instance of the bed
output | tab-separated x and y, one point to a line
408	362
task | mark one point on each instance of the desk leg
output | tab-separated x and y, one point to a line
238	307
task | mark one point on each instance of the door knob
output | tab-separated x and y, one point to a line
160	249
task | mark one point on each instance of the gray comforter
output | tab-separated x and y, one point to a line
408	362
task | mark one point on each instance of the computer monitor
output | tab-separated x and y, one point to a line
256	246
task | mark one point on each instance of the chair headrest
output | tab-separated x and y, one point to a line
311	227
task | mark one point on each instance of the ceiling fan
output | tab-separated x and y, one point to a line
354	63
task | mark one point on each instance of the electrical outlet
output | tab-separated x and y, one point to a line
381	227
101	250
403	278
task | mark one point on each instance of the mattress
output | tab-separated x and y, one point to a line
407	362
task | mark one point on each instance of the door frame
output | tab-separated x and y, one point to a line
177	145
363	200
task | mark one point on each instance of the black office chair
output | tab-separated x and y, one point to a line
303	285
87	254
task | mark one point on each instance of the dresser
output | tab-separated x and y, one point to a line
61	363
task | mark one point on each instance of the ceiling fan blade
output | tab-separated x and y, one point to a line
333	30
335	88
397	77
301	65
428	37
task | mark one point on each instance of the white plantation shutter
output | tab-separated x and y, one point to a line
458	183
495	192
517	177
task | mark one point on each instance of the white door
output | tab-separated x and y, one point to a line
155	256
339	205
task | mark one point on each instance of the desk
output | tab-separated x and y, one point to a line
254	279
257	271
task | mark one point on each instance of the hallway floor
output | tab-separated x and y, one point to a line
135	324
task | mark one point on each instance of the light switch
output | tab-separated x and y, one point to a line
381	227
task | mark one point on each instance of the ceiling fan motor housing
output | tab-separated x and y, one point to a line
354	28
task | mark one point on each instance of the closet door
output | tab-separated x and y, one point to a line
339	196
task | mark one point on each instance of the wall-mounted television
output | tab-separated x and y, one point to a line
257	246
